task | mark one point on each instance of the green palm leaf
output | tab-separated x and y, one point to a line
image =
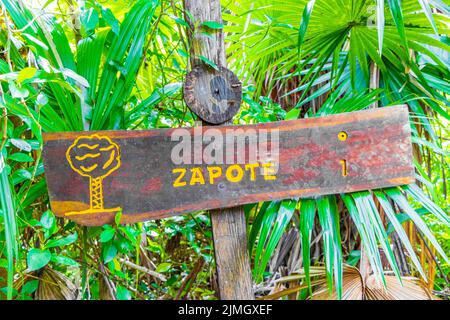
307	214
401	201
121	65
329	220
399	229
9	223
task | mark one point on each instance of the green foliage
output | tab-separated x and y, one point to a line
120	65
329	52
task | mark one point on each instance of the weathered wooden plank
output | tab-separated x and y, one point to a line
231	254
146	184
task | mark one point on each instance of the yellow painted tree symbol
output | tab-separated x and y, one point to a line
95	157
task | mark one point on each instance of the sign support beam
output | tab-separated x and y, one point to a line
228	225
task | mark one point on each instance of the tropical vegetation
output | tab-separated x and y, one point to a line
96	65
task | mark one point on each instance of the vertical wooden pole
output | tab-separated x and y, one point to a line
228	225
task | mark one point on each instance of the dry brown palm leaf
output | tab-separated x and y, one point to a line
412	289
354	288
53	285
288	285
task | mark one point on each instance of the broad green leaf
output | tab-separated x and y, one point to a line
89	19
61	242
21	144
212	25
37	259
64	260
111	20
107	235
18	92
210	63
293	114
163	267
26	73
20	157
118	218
30	286
48	219
109	251
123	293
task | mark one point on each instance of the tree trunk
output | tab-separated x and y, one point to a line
96	193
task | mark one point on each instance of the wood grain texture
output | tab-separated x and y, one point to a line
377	152
209	44
231	254
213	95
228	226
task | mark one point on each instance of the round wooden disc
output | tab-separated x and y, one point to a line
214	95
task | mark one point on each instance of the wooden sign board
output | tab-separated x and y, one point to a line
93	175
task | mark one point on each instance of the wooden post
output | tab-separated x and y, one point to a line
228	225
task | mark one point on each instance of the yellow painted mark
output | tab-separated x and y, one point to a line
110	160
252	167
214	172
107	148
91	211
89	169
269	171
342	136
85	145
232	177
178	183
87	155
96	204
402	180
233	173
344	167
197	176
